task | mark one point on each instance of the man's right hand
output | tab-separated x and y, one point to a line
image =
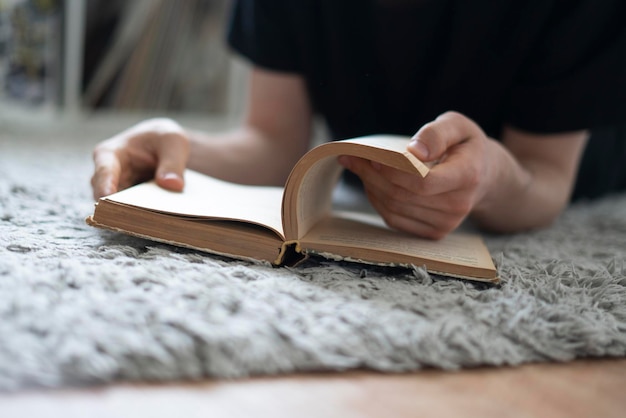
154	148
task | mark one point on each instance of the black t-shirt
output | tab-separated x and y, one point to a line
389	66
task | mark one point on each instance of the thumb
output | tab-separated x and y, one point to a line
434	139
172	154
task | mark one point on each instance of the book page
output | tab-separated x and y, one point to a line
313	197
210	198
308	191
365	236
395	144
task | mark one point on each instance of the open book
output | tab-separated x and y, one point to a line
284	225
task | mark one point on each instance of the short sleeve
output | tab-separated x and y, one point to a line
260	31
576	76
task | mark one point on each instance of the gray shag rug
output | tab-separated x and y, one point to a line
82	306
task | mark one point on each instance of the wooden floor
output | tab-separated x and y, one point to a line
578	389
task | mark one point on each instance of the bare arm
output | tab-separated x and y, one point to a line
275	132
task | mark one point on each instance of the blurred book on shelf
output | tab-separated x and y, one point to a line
160	55
31	66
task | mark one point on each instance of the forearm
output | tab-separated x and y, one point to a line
245	155
529	190
274	134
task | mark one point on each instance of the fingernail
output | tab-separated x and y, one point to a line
171	181
419	149
108	189
170	176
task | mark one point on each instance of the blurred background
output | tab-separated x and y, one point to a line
77	57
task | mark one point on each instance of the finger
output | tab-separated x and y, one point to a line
462	168
401	186
434	139
172	152
433	217
105	179
447	189
403	202
422	222
368	171
388	183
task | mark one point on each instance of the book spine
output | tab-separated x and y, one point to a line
291	254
